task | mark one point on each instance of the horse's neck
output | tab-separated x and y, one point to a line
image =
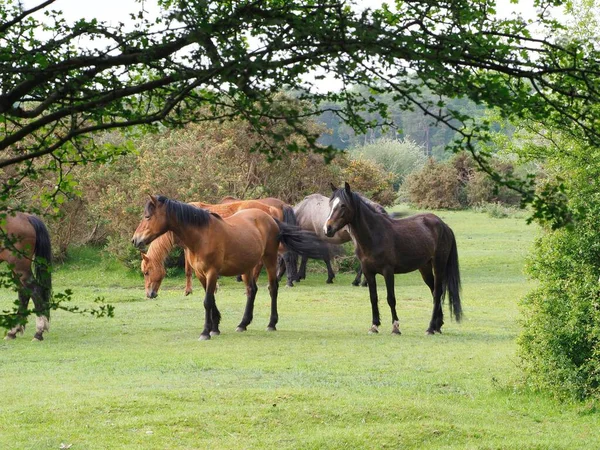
364	226
161	246
189	235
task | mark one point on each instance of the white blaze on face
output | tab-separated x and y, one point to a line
336	203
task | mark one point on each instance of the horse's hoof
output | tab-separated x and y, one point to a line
396	331
186	293
373	330
240	329
36	339
10	337
204	337
430	332
354	283
271	328
289	285
329	281
215	333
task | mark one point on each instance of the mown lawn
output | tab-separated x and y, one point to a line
142	380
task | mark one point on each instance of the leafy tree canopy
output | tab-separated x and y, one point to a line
230	57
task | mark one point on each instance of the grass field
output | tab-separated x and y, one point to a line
142	380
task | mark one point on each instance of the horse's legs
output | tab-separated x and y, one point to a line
437	317
251	289
273	291
359	273
391	299
280	267
374	307
291	262
330	272
24	295
212	316
302	269
189	273
42	312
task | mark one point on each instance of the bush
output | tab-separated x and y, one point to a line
457	183
370	179
560	344
435	186
400	158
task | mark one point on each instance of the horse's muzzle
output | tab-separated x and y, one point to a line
139	244
329	231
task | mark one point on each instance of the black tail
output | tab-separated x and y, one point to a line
452	281
43	261
290	257
301	241
289	216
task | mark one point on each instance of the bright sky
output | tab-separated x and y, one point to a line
115	11
119	10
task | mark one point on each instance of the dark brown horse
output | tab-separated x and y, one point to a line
232	246
26	249
388	246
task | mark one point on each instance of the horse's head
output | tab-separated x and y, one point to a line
153	224
341	210
154	272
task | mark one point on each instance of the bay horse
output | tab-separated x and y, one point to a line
27	250
388	246
153	262
225	246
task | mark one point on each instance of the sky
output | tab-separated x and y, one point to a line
115	11
119	10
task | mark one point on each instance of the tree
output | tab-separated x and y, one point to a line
230	57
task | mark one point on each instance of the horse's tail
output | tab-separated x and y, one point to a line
291	256
302	241
289	216
42	261
452	281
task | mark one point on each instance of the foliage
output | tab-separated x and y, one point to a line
435	186
370	179
457	183
228	59
195	164
397	157
560	344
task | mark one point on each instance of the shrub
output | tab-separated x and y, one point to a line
435	186
370	179
400	158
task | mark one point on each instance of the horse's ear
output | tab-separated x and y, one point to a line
153	199
333	187
144	257
347	187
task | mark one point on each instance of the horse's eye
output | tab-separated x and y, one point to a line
146	273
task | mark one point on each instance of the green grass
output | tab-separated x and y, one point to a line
142	380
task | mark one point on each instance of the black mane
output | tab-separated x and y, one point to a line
358	200
184	213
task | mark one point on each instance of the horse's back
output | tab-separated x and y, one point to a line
311	214
17	226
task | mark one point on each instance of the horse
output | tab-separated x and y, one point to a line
152	264
230	246
311	214
388	246
27	251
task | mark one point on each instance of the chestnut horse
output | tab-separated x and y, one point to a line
232	246
153	266
26	249
388	246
